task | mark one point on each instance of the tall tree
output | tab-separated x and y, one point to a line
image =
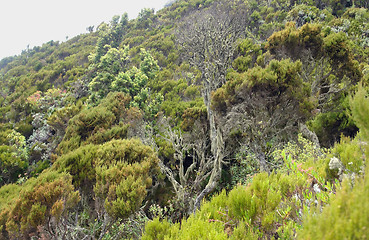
208	39
262	108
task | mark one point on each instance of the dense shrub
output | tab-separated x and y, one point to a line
117	173
347	215
109	120
37	207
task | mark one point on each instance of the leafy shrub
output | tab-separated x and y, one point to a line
281	76
191	228
360	110
156	229
302	14
294	41
243	167
41	202
345	217
350	153
98	124
118	173
248	52
13	156
254	206
10	165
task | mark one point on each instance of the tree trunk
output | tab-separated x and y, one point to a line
305	131
217	147
263	164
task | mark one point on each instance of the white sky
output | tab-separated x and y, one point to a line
35	22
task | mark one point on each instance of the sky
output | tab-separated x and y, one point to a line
34	22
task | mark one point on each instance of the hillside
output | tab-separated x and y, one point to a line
242	119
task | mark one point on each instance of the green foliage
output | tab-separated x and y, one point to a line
357	22
350	152
156	229
191	116
249	53
180	93
131	72
302	14
271	205
13	156
10	165
123	184
337	48
99	124
130	228
279	76
148	65
120	172
330	71
338	6
130	82
109	35
294	40
79	164
145	19
111	73
41	202
306	155
59	119
254	206
243	167
331	125
345	217
243	232
107	68
52	64
360	111
191	228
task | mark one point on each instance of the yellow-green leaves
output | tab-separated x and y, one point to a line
96	125
360	111
118	173
40	202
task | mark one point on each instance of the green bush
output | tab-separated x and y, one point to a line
347	215
117	173
253	210
191	228
40	203
350	152
345	218
109	120
156	230
277	76
294	40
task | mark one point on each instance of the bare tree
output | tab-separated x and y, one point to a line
192	162
208	39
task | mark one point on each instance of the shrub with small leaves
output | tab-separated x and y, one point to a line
118	174
41	204
96	125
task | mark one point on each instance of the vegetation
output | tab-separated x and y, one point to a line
204	120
